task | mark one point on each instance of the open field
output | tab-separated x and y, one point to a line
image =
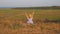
13	21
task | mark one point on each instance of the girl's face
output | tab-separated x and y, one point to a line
30	15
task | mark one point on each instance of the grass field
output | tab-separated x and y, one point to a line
13	21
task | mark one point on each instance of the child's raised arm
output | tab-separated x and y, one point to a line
26	15
32	14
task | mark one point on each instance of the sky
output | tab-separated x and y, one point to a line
28	3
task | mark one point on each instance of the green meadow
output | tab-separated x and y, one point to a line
39	13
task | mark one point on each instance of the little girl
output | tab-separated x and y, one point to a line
29	18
